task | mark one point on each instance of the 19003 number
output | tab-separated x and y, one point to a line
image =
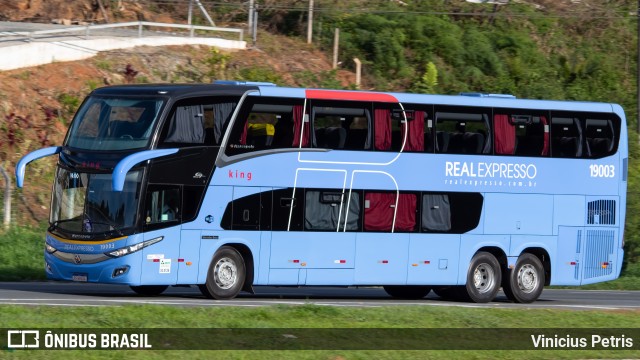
607	171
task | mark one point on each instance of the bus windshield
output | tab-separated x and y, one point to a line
107	123
85	203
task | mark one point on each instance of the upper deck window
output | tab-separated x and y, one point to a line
344	127
197	122
268	123
584	135
467	132
520	132
106	123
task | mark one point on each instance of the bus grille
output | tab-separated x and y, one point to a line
598	251
601	212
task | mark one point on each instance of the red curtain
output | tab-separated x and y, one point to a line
505	135
415	137
382	118
545	147
406	214
378	216
243	136
298	117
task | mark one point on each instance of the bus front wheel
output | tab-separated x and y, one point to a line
526	280
226	274
483	277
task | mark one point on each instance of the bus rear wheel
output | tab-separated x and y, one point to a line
407	291
226	274
149	290
483	277
526	280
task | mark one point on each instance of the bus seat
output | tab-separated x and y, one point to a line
456	143
473	142
566	147
331	137
599	146
442	141
356	139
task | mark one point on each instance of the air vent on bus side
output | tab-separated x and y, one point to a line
601	212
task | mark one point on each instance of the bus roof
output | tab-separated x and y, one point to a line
238	89
453	100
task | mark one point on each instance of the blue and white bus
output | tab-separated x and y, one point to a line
234	185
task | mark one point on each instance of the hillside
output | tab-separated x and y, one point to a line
36	104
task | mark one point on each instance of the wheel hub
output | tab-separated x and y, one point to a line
527	278
225	273
483	278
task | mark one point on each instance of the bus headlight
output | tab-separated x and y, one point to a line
133	248
50	249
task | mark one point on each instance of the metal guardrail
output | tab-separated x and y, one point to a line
31	35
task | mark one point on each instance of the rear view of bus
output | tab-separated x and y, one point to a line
230	186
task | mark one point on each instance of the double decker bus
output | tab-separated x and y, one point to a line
234	185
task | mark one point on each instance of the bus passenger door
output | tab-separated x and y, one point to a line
162	220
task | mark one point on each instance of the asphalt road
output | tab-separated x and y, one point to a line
82	294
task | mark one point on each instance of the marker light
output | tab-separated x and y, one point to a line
133	248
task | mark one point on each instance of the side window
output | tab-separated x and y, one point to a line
380	208
284	204
163	204
418	130
586	135
462	131
196	122
566	137
520	133
326	210
268	123
436	213
345	127
601	137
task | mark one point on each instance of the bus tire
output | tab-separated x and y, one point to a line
526	280
407	291
149	290
483	278
226	274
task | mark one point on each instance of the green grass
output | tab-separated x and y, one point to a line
22	255
313	316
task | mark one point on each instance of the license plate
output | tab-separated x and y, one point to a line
79	277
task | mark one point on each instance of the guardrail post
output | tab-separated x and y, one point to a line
139	29
7	198
191	31
241	34
86	32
